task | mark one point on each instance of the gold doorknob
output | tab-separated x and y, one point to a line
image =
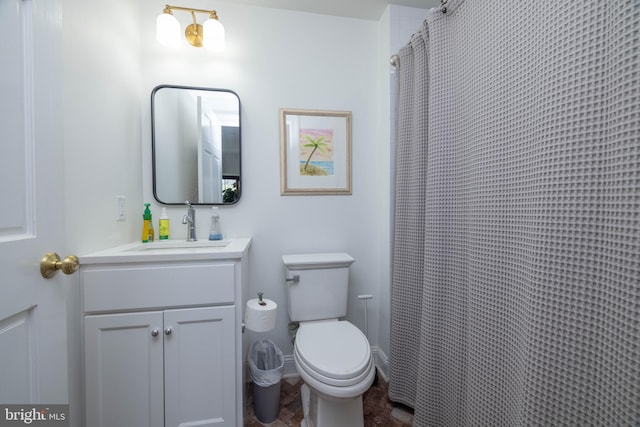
51	263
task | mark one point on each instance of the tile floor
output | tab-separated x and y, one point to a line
378	409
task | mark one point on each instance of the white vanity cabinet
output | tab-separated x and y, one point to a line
162	340
180	360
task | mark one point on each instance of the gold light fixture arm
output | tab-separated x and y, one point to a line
211	13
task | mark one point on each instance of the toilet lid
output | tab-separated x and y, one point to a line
336	350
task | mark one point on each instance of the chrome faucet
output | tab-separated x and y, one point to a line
190	219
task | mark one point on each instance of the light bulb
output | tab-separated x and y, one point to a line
213	33
168	30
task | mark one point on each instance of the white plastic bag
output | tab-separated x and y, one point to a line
266	363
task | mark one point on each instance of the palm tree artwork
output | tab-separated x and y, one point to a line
318	143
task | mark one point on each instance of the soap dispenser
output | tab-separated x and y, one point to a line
147	225
216	232
163	225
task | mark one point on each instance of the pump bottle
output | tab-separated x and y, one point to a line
147	225
163	225
215	233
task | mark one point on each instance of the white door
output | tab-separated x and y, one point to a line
33	323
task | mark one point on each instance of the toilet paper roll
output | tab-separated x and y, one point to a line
260	318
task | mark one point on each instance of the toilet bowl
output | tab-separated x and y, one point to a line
332	356
334	360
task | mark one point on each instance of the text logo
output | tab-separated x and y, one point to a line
36	415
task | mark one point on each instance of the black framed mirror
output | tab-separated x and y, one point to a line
195	145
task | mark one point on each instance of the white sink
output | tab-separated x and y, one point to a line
178	244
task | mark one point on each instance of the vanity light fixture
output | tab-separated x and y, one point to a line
210	35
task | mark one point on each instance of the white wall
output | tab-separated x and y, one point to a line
101	121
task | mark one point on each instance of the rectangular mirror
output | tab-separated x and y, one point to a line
195	140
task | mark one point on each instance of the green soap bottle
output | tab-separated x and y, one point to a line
147	225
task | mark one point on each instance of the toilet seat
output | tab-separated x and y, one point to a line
336	350
334	356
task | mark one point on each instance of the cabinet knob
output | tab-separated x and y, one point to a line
154	332
168	331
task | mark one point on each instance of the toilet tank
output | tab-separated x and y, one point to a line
321	290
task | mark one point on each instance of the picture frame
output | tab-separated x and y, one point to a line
315	152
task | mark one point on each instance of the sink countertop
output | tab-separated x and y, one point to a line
170	250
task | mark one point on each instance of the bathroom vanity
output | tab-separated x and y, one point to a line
162	333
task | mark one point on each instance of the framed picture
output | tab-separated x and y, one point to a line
315	152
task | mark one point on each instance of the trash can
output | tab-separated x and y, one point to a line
266	364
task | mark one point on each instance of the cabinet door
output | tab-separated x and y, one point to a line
124	370
200	367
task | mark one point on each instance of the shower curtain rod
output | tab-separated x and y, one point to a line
395	59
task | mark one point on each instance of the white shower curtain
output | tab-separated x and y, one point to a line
516	259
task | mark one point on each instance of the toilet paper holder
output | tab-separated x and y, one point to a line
251	319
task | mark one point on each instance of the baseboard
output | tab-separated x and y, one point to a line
382	362
289	370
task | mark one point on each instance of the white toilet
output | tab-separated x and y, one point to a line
332	356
